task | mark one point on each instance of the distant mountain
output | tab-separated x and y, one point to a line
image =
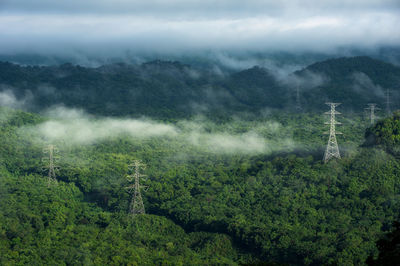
172	89
257	88
153	88
352	81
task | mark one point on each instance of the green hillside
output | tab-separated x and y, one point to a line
205	206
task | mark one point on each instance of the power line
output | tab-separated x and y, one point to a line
332	148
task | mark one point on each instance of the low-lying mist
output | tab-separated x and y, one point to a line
75	127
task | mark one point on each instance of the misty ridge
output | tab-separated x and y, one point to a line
162	89
216	110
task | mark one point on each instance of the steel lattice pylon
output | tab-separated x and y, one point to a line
49	159
136	206
332	149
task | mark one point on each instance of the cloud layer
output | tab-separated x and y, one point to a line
115	28
196	8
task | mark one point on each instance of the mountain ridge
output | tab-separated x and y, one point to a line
170	88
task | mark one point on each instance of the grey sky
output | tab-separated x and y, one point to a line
106	27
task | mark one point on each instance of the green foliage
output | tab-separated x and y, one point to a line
52	225
389	248
385	133
205	208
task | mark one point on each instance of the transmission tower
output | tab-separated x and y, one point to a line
388	111
371	108
136	206
50	156
332	149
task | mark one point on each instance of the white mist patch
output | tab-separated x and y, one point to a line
225	143
248	143
8	98
234	63
363	84
234	140
75	127
306	80
84	131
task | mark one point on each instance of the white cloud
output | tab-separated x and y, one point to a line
74	127
248	142
113	28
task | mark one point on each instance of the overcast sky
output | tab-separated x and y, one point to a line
114	27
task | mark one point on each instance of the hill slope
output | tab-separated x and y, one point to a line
352	81
205	207
171	89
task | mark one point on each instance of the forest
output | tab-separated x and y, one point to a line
174	90
243	184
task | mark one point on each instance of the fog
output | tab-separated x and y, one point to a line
8	98
74	127
307	80
363	84
107	29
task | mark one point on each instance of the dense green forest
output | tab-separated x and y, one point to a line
234	172
233	190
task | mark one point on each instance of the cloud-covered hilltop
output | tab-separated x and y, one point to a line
125	28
